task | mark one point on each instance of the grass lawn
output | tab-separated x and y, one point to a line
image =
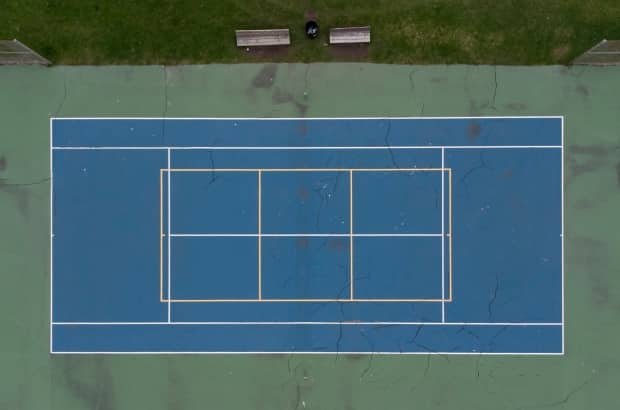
403	31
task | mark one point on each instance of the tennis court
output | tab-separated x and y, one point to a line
325	235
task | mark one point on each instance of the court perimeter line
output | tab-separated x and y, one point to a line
284	148
311	323
465	117
562	230
51	238
371	147
268	352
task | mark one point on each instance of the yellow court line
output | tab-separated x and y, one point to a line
351	234
300	300
260	261
350	170
304	169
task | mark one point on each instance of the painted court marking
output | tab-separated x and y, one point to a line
166	233
259	235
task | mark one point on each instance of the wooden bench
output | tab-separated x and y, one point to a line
259	38
16	52
350	35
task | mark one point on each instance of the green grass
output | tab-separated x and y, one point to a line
403	31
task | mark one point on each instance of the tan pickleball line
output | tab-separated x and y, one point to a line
350	170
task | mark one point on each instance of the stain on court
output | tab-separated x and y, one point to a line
473	130
89	380
265	77
18	193
302	243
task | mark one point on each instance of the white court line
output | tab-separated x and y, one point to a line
324	147
303	235
443	239
169	240
562	233
51	238
426	353
351	294
351	323
259	241
327	148
465	117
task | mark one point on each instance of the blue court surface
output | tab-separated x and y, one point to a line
354	235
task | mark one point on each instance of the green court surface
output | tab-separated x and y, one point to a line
586	377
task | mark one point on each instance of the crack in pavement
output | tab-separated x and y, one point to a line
212	162
306	75
386	140
478	366
64	96
495	88
421	346
340	324
3	182
297	394
493	297
411	82
372	354
481	165
426	370
491	344
561	401
325	196
165	105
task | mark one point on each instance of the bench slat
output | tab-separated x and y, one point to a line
272	37
349	35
